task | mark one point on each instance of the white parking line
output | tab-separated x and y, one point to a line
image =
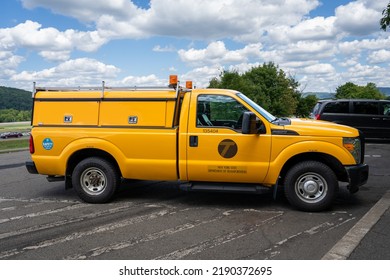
343	249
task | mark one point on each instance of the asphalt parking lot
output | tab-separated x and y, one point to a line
155	220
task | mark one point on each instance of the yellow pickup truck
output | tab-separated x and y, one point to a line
208	139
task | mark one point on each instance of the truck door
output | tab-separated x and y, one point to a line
216	148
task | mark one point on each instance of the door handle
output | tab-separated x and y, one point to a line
193	141
376	119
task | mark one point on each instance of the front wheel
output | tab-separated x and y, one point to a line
310	186
95	180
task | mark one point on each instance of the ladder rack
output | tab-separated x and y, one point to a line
174	86
103	88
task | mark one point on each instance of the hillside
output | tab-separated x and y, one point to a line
13	98
385	90
329	95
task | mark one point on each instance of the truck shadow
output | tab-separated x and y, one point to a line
166	192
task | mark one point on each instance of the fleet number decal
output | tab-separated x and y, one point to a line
210	130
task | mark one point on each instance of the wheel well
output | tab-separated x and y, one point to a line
329	160
86	153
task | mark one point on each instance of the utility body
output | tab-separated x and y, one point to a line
208	139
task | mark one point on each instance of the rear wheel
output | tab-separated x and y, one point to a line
310	186
95	180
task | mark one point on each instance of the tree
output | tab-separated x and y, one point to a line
385	20
350	90
267	85
306	105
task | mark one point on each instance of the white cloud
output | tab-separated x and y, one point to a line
49	42
86	10
216	53
80	71
201	76
303	50
150	80
351	47
318	28
55	55
319	68
240	19
362	74
8	64
379	56
358	17
169	48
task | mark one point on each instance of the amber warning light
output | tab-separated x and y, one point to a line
189	84
173	80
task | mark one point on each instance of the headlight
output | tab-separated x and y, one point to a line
353	145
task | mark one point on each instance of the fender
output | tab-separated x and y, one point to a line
278	161
56	165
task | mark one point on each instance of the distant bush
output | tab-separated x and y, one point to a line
12	115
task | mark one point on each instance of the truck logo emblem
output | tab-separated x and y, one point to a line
227	148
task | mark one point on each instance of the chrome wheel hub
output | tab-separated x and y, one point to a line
311	187
93	181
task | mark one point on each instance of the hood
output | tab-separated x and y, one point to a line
310	127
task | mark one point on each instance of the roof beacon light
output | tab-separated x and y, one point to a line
173	81
189	84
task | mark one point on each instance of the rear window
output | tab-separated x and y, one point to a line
316	109
337	107
365	107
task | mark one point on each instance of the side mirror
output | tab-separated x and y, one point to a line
249	124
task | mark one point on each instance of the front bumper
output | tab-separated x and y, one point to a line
357	176
31	168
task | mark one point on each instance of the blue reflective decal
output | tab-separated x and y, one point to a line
47	144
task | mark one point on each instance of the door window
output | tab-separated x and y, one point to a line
219	110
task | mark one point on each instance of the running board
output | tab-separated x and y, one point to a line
55	178
225	187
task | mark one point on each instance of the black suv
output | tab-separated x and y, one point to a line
372	117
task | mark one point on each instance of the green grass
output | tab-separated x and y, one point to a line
14	144
19	127
20	143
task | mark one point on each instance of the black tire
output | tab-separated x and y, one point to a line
310	186
95	180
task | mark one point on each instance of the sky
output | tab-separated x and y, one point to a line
322	44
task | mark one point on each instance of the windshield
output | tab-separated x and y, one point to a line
257	107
